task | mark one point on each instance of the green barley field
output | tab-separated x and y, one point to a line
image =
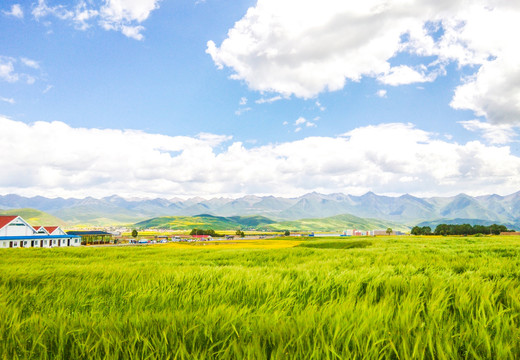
366	298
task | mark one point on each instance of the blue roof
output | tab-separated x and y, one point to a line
38	237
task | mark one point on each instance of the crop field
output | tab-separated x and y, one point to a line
373	298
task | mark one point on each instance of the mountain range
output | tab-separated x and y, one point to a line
405	209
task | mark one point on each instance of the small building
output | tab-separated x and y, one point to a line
202	237
16	232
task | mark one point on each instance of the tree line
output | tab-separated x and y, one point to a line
459	229
209	232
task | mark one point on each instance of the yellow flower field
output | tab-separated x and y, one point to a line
236	244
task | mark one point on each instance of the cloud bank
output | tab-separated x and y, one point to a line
54	159
125	16
303	48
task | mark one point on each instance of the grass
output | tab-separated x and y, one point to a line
35	217
203	221
333	223
387	297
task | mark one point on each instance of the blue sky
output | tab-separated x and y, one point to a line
219	98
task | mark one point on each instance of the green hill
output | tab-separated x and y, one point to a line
337	223
203	221
35	217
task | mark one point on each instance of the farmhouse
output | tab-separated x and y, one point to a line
16	232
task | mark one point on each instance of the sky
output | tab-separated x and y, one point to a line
211	98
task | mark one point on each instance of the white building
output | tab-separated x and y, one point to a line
16	232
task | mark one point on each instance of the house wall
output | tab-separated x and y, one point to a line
17	227
39	243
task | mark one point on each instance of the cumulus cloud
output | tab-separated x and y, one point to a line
381	93
125	16
303	48
54	159
494	134
16	11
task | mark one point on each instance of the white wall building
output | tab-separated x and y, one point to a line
16	232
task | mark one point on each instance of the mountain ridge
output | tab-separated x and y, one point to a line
405	209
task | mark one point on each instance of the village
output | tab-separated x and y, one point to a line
15	232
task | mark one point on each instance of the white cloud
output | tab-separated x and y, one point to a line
7	100
241	111
125	16
494	134
494	92
243	101
404	75
321	107
303	48
47	89
59	11
133	32
285	123
54	159
7	69
16	11
381	93
10	74
269	100
30	63
300	121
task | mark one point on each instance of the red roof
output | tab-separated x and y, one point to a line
4	220
50	229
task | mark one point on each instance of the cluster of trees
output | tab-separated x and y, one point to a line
209	232
462	229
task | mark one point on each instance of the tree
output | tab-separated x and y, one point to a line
389	231
134	233
287	233
426	230
416	230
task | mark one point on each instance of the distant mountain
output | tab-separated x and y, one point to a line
406	209
35	217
